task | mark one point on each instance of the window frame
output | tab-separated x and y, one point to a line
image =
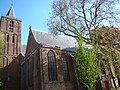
65	67
11	26
52	67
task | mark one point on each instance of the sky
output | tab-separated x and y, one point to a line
33	13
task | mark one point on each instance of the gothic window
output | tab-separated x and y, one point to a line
65	69
11	26
52	70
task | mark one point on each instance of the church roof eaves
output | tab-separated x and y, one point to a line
12	18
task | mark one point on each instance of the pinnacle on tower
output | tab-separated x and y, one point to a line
11	12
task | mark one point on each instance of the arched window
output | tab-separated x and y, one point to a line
65	69
15	43
7	43
13	39
11	26
52	70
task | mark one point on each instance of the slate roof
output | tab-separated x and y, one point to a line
23	49
49	39
11	12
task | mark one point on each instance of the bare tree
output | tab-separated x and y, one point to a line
76	18
72	17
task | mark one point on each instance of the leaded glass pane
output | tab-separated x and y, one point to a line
65	69
52	70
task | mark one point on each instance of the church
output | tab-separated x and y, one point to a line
49	62
45	63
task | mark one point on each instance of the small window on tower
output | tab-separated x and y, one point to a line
11	26
13	39
7	38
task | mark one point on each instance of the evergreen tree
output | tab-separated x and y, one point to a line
86	65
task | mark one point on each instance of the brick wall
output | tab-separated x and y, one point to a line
40	80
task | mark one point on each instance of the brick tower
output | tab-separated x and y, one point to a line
10	27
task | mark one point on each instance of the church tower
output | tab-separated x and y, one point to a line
10	27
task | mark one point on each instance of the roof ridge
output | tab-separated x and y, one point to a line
37	30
